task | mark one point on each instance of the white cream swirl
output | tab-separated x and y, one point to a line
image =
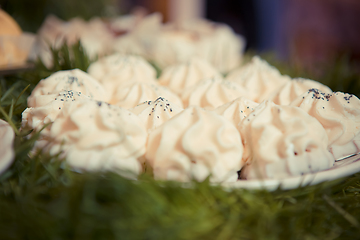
283	141
339	114
294	88
154	113
183	75
96	136
258	78
235	111
7	152
131	95
212	93
193	145
75	80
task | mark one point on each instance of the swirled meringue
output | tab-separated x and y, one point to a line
258	78
193	145
339	114
183	75
138	33
53	33
212	93
75	80
131	95
46	109
118	69
154	113
294	88
96	136
215	42
7	152
283	141
235	111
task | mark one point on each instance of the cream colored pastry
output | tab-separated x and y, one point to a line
131	95
194	144
215	42
223	49
47	108
75	80
235	111
97	39
15	45
258	78
96	136
7	152
183	75
118	69
154	113
339	114
283	141
137	33
94	36
212	93
294	88
173	46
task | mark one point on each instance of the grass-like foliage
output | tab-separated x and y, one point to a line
40	199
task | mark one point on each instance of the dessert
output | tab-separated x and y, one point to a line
195	144
75	80
96	136
154	113
212	93
131	95
118	69
136	33
339	114
294	88
236	110
7	153
93	35
258	78
15	45
183	75
283	141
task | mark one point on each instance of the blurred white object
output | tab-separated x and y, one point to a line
7	153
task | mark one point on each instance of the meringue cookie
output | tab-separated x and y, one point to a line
215	42
96	136
128	67
258	78
173	46
7	153
283	141
53	33
75	80
155	113
339	114
131	95
223	49
294	88
46	109
212	93
183	75
193	145
236	110
139	33
118	69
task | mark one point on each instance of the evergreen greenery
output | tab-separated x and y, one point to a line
41	200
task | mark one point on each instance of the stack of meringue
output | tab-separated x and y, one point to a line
146	36
192	123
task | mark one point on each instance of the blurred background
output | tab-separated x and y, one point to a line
309	34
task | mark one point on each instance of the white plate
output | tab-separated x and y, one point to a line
341	169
